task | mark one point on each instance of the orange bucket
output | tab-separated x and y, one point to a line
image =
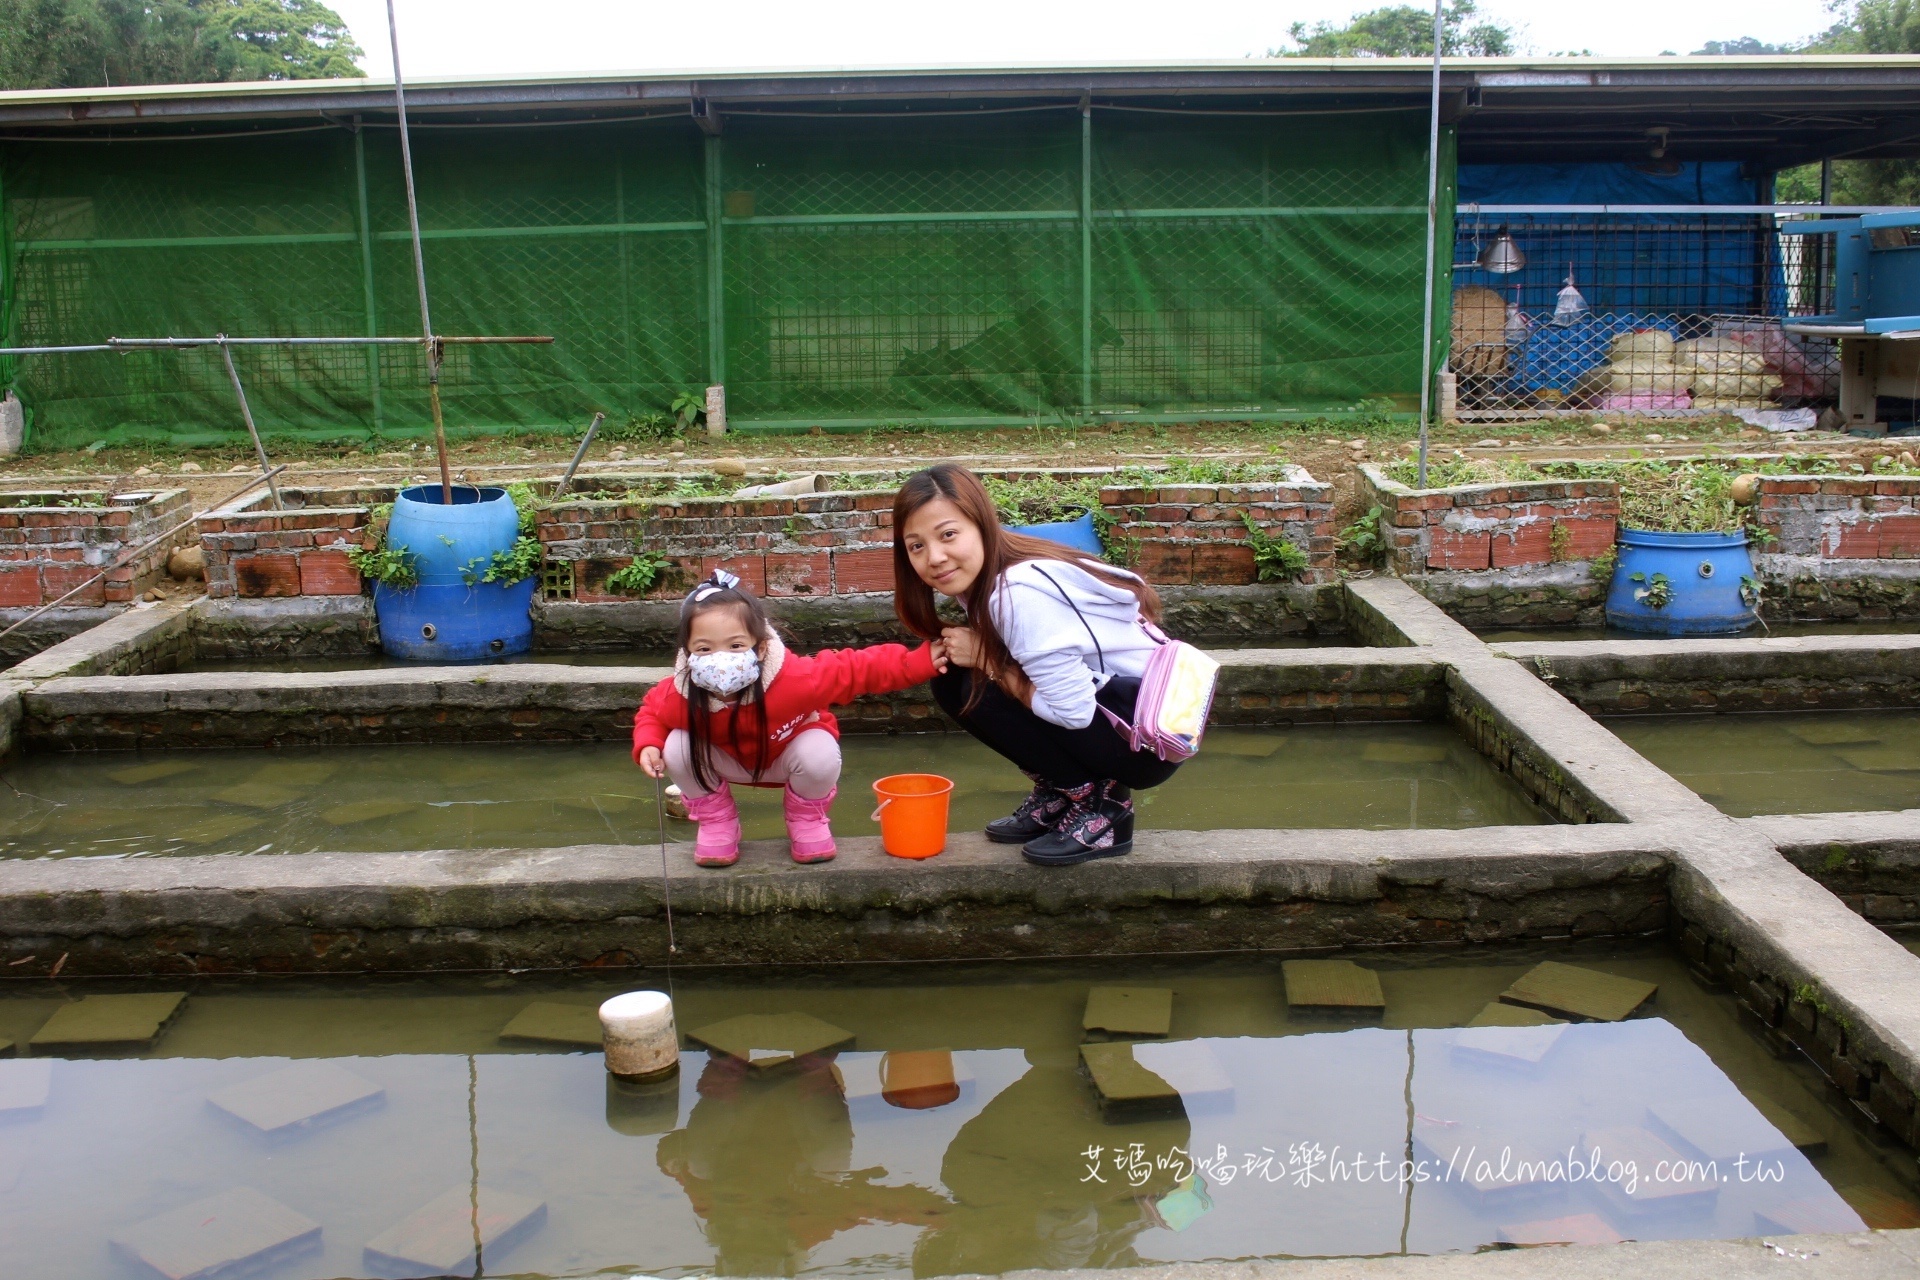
912	813
918	1079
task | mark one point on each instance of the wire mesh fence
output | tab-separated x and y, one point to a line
994	266
1637	313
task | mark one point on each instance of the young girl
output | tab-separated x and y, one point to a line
741	709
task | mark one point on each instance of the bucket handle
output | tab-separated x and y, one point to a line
883	804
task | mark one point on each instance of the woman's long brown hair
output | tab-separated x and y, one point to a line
913	599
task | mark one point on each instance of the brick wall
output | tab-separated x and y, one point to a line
839	544
1492	526
254	551
47	549
1197	534
1841	518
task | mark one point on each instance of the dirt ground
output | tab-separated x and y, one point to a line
1328	450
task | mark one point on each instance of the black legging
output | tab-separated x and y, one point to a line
1064	757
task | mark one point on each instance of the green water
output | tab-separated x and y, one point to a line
348	799
1497	635
803	1169
1786	762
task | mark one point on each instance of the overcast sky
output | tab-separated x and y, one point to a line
548	37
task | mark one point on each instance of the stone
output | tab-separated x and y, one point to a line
1338	985
1688	1185
24	1086
729	467
349	815
1720	1128
437	1239
1129	1011
545	1022
237	1228
140	472
190	467
101	1022
257	795
1578	993
1653	437
299	1098
1122	1083
187	563
765	1040
145	773
1486	444
1600	429
1575	1228
1402	753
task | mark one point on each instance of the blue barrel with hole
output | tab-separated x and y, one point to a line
447	618
1683	584
1078	533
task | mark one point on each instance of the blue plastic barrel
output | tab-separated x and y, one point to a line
1705	575
444	619
1077	533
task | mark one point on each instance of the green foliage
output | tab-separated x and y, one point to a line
1365	539
638	577
1751	591
1042	499
516	564
1600	568
527	505
1401	31
688	408
1276	559
1559	544
395	567
65	44
1657	591
643	426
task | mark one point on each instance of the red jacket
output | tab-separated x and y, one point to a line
798	689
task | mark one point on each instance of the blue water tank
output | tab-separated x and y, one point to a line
444	619
1707	577
1078	533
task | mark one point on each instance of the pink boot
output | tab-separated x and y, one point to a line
717	842
807	829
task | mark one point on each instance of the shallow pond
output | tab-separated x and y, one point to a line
1786	762
1497	635
350	799
361	1123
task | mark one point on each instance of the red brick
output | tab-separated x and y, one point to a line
328	573
869	569
1856	540
751	570
1167	563
1899	536
20	586
1450	549
1589	537
61	579
260	576
800	574
1523	544
1224	564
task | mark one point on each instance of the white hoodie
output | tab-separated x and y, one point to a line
1056	648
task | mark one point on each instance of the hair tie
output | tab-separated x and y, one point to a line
718	580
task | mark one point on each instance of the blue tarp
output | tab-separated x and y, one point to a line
1709	182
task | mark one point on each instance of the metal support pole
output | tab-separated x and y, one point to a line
716	279
1433	223
1086	256
246	414
420	266
1826	181
566	481
627	366
366	272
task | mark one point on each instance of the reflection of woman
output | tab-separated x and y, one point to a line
1051	639
763	1161
1018	1173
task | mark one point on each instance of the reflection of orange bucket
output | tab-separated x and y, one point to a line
917	1079
912	814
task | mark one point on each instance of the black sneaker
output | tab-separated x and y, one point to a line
1098	825
1038	814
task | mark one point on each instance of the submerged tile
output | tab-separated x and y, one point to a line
349	815
236	1228
1575	1228
1827	734
1881	1210
303	1096
1332	984
1403	753
96	1022
1688	1184
295	773
1498	1014
24	1085
145	773
437	1238
1721	1128
1247	746
1882	759
1506	1046
1191	1067
1827	1216
1493	1163
219	826
1578	993
1129	1011
1122	1083
1802	1135
545	1022
257	795
769	1039
15	1149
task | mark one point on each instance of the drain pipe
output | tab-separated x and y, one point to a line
1433	223
420	265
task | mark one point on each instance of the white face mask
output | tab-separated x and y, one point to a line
724	673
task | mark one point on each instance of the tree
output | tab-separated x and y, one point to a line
1400	31
61	44
1744	47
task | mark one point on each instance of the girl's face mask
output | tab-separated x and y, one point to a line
726	673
